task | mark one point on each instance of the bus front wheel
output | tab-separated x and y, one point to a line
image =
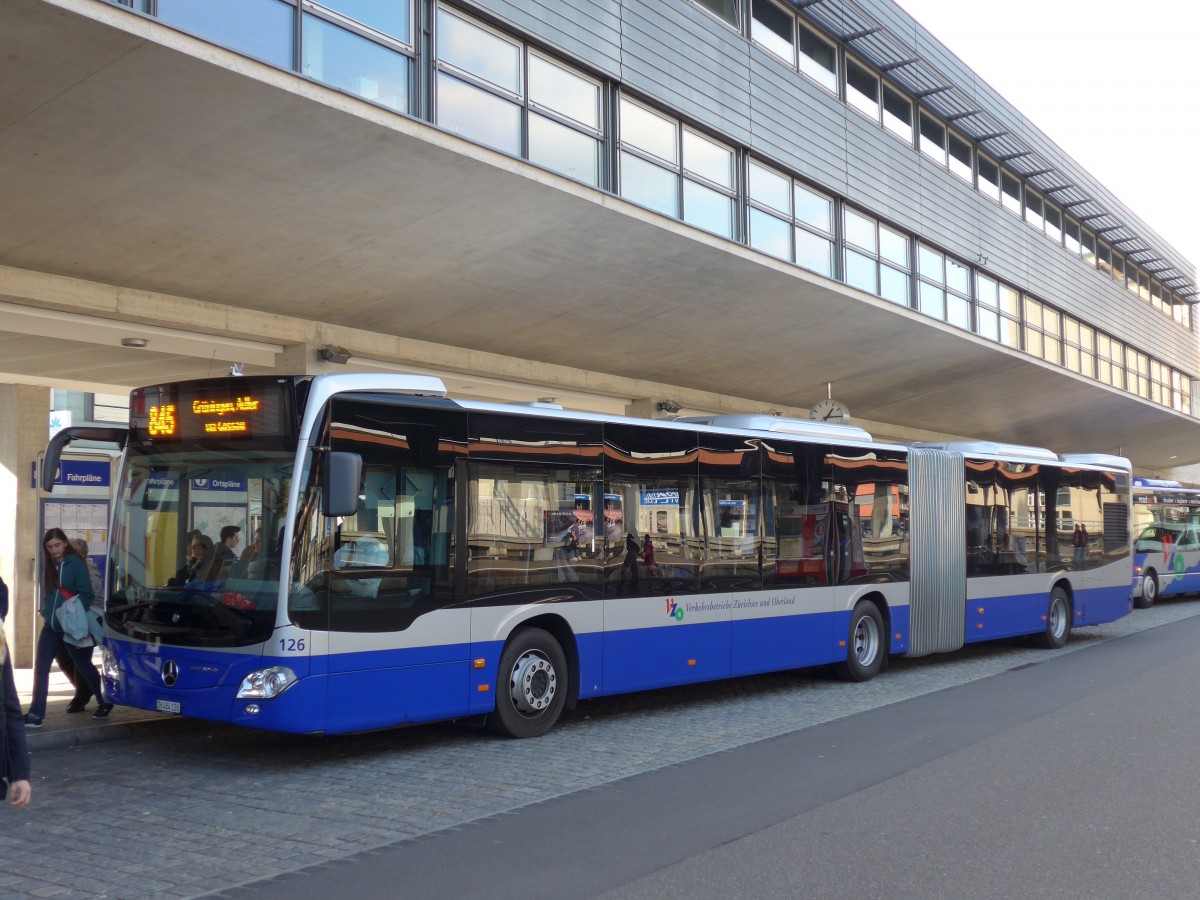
531	687
1149	590
1058	621
865	648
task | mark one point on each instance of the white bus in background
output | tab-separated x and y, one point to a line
1166	528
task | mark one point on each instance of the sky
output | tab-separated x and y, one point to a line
1115	85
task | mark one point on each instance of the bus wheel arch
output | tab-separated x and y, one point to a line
1059	612
535	679
1149	590
867	641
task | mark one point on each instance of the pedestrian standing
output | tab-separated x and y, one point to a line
14	750
64	575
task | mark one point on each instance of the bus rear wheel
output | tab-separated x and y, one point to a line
865	648
1058	621
531	688
1149	591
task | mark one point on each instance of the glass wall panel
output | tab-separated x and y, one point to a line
818	59
770	188
960	158
650	185
478	114
726	9
988	181
862	89
260	28
813	209
345	60
773	29
770	234
893	285
649	132
564	150
708	159
898	114
861	231
933	138
861	272
707	209
556	88
390	17
814	252
484	54
1010	192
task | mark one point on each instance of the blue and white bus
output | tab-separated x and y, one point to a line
411	558
1166	547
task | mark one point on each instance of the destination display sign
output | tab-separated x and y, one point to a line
229	409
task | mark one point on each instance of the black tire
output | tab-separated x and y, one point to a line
866	646
1058	621
1149	590
531	685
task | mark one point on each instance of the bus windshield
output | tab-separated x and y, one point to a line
196	544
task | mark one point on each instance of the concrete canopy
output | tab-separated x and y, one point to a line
141	159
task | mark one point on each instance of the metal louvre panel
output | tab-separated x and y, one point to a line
938	525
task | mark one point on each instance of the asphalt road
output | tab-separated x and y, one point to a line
1074	777
997	771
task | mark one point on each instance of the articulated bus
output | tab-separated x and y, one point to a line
1166	548
413	558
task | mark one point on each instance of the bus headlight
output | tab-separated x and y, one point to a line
266	684
108	661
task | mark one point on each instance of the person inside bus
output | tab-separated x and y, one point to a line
207	570
190	563
64	575
227	548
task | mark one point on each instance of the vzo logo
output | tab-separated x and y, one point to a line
674	610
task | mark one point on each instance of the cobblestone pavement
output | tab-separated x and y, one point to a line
186	811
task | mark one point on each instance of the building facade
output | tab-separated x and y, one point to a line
630	205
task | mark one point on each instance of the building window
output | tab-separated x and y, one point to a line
774	30
725	9
944	288
1110	361
988	182
1137	372
565	131
790	220
675	170
818	59
1053	222
1043	331
1071	235
898	114
960	158
1104	258
355	63
1010	192
933	138
1087	245
1079	347
1118	267
390	18
263	29
878	259
1034	209
492	90
479	83
862	89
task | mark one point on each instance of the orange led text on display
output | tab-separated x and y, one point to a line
162	420
222	408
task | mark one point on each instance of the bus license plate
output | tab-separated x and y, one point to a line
168	706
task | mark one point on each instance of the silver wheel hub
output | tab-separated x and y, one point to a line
1058	617
532	684
866	640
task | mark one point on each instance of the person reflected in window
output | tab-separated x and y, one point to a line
630	565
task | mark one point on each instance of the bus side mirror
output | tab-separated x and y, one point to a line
342	477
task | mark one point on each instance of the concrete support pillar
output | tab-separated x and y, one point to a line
302	359
23	412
